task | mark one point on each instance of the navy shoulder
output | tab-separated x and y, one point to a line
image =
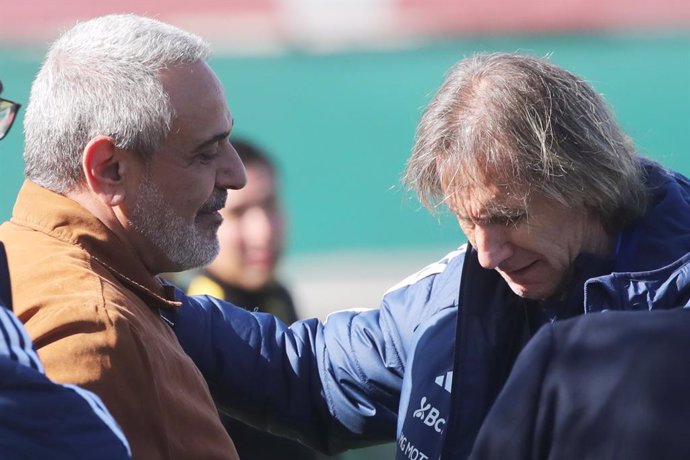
434	276
425	293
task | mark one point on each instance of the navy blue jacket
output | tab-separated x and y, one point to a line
41	419
597	387
428	364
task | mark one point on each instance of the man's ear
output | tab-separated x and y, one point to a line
104	168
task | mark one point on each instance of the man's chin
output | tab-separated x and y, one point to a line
197	255
532	292
533	282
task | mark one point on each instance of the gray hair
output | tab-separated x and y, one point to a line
102	78
526	125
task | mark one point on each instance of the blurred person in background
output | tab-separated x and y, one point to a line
563	217
127	163
39	418
251	240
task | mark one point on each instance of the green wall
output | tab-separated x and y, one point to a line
342	125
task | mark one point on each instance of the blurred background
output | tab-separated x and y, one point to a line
333	89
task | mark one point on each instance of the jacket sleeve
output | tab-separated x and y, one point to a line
508	431
41	419
334	385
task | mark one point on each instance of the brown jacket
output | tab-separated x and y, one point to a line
91	308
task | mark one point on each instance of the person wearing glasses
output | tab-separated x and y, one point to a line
39	418
8	112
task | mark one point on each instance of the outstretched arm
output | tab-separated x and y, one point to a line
334	386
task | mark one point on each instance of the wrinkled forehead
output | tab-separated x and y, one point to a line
476	176
484	194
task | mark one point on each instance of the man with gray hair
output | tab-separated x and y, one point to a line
562	217
127	164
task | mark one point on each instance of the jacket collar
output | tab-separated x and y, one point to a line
66	220
648	273
666	287
663	233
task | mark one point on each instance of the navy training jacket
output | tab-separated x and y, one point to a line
425	367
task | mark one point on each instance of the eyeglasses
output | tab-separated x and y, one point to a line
8	112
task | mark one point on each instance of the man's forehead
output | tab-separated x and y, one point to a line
202	116
486	199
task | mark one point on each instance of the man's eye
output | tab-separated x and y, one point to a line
206	157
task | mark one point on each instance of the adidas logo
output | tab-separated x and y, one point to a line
445	381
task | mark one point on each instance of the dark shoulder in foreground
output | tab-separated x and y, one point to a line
600	386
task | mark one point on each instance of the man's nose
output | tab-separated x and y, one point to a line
231	173
492	245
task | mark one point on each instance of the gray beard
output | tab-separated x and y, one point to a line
185	245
